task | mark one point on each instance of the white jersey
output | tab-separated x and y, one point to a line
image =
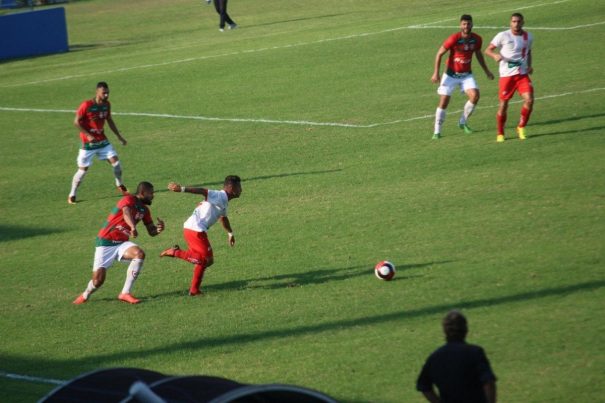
208	211
514	50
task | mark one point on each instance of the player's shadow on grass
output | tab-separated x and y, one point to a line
255	178
14	232
567	119
312	277
579	131
294	280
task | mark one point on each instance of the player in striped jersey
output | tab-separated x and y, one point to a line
461	47
90	120
113	242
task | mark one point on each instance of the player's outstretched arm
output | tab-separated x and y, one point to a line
176	187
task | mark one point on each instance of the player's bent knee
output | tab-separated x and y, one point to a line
139	254
209	261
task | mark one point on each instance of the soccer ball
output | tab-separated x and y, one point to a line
385	270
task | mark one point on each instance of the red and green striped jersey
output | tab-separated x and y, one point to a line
92	117
115	230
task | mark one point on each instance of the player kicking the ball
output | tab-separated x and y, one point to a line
113	242
211	209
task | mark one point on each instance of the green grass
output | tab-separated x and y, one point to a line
509	233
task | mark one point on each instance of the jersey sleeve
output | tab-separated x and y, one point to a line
126	201
82	109
479	42
497	40
449	42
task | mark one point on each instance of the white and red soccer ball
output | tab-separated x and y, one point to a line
385	270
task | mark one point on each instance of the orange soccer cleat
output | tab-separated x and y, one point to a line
128	298
80	299
170	251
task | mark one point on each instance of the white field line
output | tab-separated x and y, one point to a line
28	378
281	122
494	27
339	38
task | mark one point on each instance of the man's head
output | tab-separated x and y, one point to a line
455	326
516	23
145	192
466	24
233	186
102	91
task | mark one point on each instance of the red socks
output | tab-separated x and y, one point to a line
196	281
525	113
501	121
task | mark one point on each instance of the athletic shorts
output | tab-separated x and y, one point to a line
198	243
519	82
449	84
85	156
106	255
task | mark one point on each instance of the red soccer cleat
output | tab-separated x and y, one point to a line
80	299
128	298
193	293
123	189
170	251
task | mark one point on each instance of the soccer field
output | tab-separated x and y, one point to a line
325	109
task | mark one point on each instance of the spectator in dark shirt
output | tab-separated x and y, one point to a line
460	371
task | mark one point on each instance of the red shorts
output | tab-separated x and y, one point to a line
198	243
508	86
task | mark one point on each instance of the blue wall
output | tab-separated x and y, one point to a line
33	33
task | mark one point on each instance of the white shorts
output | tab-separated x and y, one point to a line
85	156
106	255
449	84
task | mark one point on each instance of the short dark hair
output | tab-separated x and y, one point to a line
517	15
455	326
144	186
466	17
232	180
102	84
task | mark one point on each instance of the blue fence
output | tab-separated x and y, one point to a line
33	33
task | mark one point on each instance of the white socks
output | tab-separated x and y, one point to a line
439	119
469	107
77	179
136	265
89	290
117	172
